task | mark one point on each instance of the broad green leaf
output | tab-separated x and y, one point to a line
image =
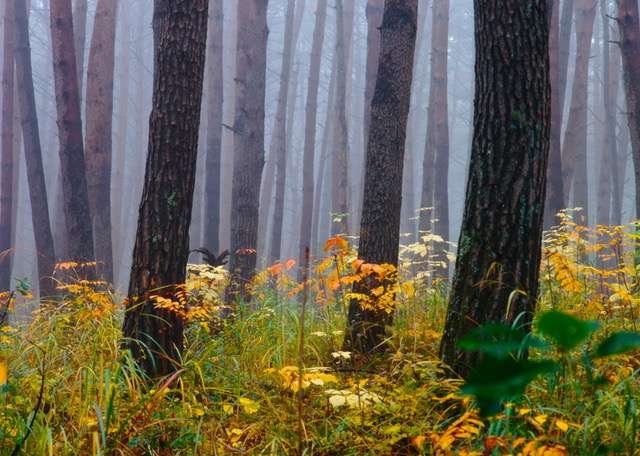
618	343
564	330
497	340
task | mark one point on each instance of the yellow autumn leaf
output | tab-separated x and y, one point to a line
249	406
564	427
4	371
227	408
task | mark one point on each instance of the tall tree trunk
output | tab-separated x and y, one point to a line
500	240
438	130
380	224
72	161
248	159
575	141
555	190
630	49
279	144
6	160
311	112
374	12
162	241
33	155
80	10
339	172
211	231
99	115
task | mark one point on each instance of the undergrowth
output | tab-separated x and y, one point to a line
70	389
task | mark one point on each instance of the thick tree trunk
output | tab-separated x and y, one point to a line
99	115
438	130
80	10
311	113
248	159
210	238
6	142
500	241
33	155
574	155
72	161
630	49
555	190
339	172
380	224
155	336
279	143
374	12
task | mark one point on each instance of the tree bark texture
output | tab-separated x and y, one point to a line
80	10
380	224
248	143
500	240
162	241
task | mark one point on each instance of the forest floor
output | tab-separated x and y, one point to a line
239	392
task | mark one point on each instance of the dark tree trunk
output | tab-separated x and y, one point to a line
6	160
80	10
500	240
211	231
248	159
380	224
311	113
555	190
279	143
574	155
630	49
162	241
99	115
32	150
72	161
374	12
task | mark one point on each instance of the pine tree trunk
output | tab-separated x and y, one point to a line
6	160
72	160
574	155
99	115
500	240
279	143
311	113
248	143
162	241
80	10
211	232
33	155
374	11
380	224
439	131
630	49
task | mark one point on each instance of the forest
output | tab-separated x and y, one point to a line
320	227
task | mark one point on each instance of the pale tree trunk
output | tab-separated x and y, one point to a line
72	162
311	113
279	136
248	144
155	336
630	50
439	129
80	11
339	163
118	231
33	155
574	155
211	231
380	224
99	115
6	142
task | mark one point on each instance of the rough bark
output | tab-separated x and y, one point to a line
374	12
279	143
80	10
248	143
99	115
500	240
33	155
574	155
72	161
339	172
6	142
211	240
155	336
311	112
380	224
555	190
630	50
